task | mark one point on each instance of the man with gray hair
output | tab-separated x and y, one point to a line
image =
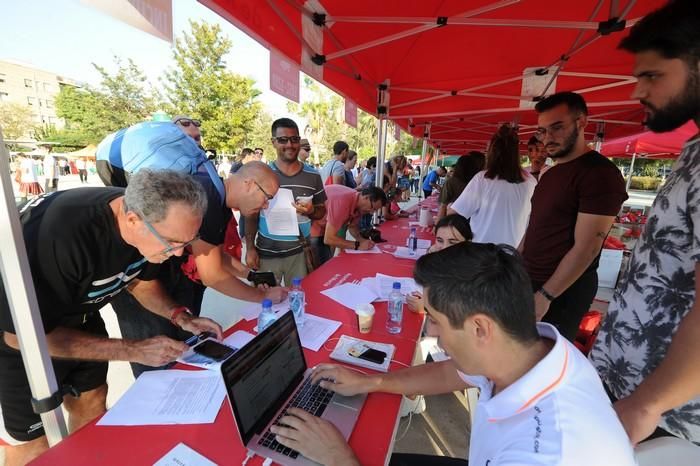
85	246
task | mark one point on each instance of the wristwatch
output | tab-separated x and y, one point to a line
546	294
357	245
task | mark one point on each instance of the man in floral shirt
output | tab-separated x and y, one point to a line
648	350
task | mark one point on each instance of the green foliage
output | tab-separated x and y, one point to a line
200	86
15	120
122	99
646	183
260	136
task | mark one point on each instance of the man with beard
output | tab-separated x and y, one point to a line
573	208
285	256
648	349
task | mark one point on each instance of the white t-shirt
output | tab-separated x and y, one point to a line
499	210
556	414
29	171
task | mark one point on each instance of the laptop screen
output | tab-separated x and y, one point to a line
262	375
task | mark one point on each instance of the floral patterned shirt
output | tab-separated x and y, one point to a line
656	292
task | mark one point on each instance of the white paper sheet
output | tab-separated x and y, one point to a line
350	295
405	253
374	250
281	216
168	397
253	311
182	455
609	267
422	243
235	341
386	282
316	331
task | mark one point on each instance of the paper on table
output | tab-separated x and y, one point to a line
405	253
281	216
340	353
350	295
168	397
182	455
385	283
422	243
374	250
316	330
251	312
235	341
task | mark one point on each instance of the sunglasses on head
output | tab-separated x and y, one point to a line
285	139
187	122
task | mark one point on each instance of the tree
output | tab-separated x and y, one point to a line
260	135
122	99
15	120
200	86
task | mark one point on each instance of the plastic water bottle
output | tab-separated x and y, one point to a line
395	308
267	316
413	241
297	302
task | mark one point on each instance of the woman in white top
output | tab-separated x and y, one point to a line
497	200
29	178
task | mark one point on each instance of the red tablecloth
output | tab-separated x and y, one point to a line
373	435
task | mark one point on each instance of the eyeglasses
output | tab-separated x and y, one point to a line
285	139
267	195
306	148
169	246
187	122
556	130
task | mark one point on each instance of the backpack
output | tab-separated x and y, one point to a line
156	145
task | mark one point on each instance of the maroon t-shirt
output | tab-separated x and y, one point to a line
590	184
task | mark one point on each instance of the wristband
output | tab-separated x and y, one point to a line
176	312
546	294
357	245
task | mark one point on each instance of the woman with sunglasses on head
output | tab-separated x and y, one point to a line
450	230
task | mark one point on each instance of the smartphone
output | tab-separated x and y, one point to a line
363	351
263	278
214	350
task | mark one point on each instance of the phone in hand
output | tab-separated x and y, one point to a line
262	278
363	351
214	350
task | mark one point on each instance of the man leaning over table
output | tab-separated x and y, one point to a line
541	401
344	209
84	247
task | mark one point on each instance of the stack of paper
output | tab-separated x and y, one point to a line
422	243
374	250
351	295
341	353
405	253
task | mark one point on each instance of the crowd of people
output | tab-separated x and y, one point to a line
511	273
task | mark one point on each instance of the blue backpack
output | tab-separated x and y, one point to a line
156	145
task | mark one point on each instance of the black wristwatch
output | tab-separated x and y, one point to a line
546	294
357	245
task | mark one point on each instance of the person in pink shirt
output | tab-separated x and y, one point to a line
344	207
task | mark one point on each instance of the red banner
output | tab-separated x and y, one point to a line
284	76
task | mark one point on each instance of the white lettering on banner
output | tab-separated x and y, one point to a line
284	76
350	113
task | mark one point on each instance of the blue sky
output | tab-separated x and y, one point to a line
66	36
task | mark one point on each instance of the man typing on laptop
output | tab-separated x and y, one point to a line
541	401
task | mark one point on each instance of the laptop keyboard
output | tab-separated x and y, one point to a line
312	399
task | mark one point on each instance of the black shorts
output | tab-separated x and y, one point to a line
19	418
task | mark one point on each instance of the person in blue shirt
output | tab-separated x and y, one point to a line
431	180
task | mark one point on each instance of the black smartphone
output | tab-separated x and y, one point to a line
263	278
373	355
214	350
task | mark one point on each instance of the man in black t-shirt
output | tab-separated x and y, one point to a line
573	208
85	246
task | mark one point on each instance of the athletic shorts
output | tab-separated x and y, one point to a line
18	416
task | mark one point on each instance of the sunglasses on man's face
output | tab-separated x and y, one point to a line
282	140
187	122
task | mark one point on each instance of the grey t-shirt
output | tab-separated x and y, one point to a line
332	167
306	182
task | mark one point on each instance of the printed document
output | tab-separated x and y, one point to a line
182	455
281	216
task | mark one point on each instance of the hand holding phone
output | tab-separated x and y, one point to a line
214	350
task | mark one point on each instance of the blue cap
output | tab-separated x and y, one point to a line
267	303
296	281
397	285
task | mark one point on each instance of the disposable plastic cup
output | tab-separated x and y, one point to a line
365	317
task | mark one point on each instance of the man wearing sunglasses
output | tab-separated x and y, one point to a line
573	208
285	256
190	126
86	246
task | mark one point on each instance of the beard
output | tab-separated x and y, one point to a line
567	146
681	108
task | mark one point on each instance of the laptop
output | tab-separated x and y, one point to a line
269	375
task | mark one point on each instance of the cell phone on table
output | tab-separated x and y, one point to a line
262	278
363	351
214	350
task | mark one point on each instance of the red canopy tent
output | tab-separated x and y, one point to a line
651	145
454	70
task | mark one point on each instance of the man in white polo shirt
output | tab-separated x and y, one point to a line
541	401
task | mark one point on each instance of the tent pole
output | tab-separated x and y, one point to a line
629	177
423	168
19	287
382	123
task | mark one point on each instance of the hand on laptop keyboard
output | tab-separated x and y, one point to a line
342	380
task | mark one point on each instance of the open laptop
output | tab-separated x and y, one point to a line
267	376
